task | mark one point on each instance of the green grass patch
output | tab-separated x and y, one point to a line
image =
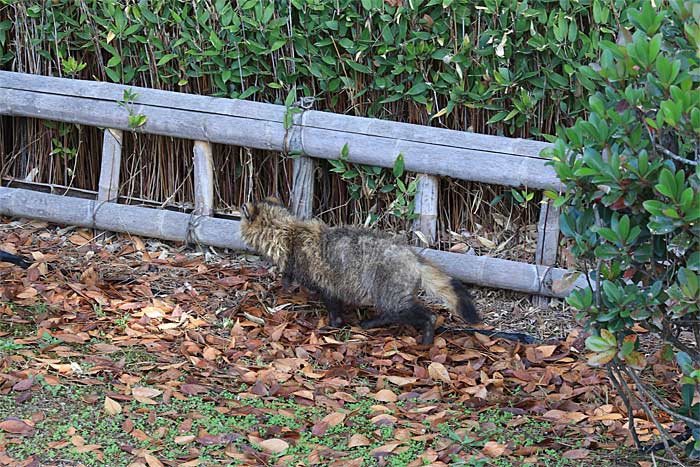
72	416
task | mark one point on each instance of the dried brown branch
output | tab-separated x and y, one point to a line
628	404
663	433
675	156
642	387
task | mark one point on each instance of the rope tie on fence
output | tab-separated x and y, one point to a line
546	281
193	221
95	210
299	107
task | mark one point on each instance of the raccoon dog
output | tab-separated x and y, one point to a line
353	266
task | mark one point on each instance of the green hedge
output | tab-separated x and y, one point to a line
491	66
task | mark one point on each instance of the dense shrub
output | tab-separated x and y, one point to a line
632	204
512	64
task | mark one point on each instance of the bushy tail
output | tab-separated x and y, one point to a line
6	257
455	295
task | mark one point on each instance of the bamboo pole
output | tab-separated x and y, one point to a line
136	220
203	179
303	186
427	208
547	242
222	233
302	196
108	185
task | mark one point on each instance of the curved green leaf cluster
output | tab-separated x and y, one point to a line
631	193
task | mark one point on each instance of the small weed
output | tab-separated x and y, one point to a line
99	312
7	345
49	340
122	321
127	102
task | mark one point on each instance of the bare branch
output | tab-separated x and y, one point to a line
598	291
663	433
667	335
628	404
657	401
675	156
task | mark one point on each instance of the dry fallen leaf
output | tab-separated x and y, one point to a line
547	350
23	385
87	448
144	394
438	372
358	440
401	381
152	461
274	445
334	419
486	242
210	353
493	449
192	463
112	407
576	453
16	426
386	449
78	239
186	439
386	395
459	247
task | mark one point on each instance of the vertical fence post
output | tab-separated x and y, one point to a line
547	242
108	185
303	186
427	209
302	196
203	179
108	190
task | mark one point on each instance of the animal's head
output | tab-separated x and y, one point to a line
264	225
262	213
250	211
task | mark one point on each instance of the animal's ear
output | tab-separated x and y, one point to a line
274	201
249	211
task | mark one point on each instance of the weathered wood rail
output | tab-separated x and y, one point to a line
428	151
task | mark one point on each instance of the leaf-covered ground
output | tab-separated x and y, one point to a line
147	354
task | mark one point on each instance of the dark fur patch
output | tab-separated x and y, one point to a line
249	211
466	305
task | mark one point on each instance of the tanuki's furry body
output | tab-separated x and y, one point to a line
353	266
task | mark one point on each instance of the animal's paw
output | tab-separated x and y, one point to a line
337	322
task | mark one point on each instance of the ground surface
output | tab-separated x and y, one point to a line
145	354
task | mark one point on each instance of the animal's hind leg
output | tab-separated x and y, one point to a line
414	314
335	310
380	320
423	319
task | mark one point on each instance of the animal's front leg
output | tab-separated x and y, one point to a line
335	309
287	281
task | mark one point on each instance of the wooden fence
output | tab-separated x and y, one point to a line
431	152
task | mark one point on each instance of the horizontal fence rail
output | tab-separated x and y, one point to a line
224	233
321	135
429	151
